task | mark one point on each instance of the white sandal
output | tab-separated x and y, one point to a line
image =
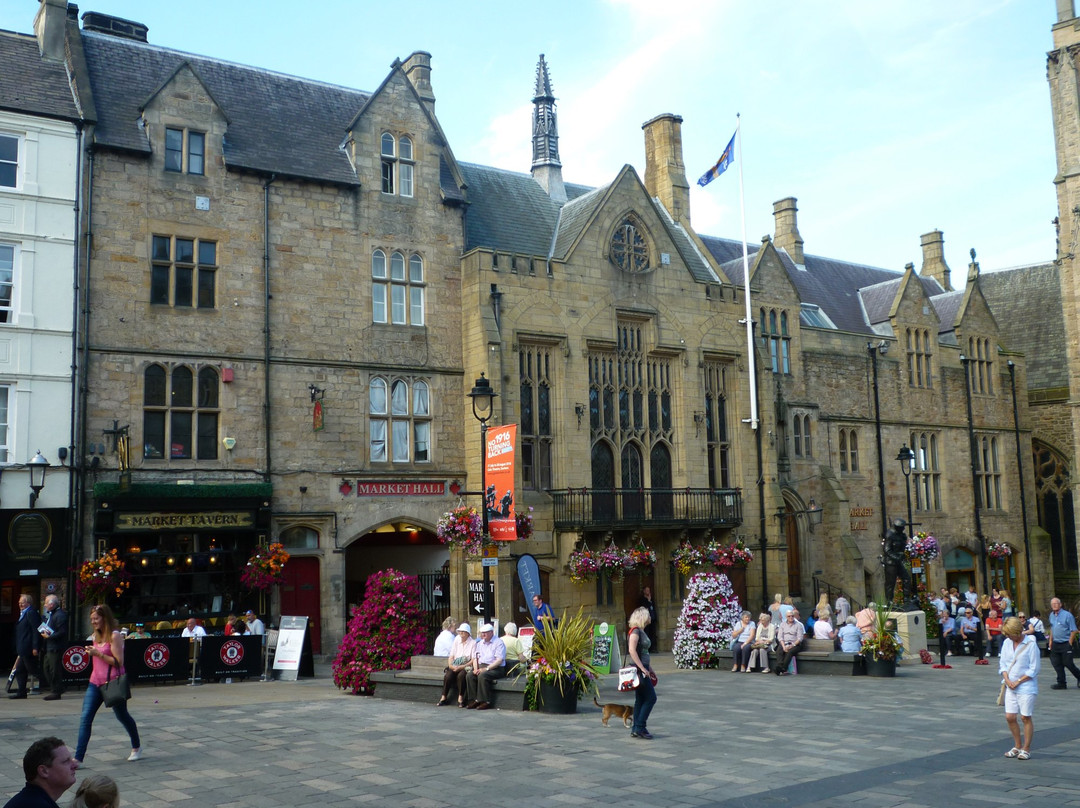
1014	752
1024	755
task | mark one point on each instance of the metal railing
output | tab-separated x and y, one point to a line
832	592
583	508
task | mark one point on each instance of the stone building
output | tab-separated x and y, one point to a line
291	286
40	139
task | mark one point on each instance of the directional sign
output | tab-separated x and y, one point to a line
476	595
489	562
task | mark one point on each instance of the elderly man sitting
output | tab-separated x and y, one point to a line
489	664
789	636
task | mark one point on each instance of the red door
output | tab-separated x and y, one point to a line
300	596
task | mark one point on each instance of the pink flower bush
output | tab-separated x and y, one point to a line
385	631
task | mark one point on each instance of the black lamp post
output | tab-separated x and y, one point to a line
906	456
881	347
1020	480
483	400
973	450
38	466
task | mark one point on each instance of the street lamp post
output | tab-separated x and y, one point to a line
881	347
966	361
1020	480
906	457
483	399
38	466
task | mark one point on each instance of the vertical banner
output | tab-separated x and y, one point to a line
529	577
499	478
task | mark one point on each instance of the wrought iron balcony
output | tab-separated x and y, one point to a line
587	508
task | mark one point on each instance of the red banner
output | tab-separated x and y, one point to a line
499	478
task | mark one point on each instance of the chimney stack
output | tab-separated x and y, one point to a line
787	229
933	259
1065	10
418	70
49	25
665	173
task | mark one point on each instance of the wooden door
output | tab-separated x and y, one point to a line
300	596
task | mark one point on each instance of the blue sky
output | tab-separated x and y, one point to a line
885	119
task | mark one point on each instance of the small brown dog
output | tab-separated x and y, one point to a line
623	711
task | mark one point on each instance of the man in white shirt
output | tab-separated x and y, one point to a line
193	629
255	625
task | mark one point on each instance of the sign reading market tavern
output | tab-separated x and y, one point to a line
217	520
420	488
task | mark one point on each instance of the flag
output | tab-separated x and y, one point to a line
726	159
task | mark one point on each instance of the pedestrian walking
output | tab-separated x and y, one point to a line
1062	633
1019	667
54	630
645	694
107	653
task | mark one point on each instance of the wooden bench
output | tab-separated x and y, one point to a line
816	659
423	681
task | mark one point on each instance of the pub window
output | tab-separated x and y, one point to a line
180	413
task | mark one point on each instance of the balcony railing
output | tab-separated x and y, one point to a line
585	508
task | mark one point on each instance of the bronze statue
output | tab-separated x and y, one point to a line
894	562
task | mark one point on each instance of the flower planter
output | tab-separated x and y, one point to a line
553	701
881	667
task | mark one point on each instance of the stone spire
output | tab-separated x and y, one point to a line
546	168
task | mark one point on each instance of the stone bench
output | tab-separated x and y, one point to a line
816	659
423	680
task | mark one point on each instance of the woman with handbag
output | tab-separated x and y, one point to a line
1019	668
106	651
638	645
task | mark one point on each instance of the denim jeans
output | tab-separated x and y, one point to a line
644	699
92	702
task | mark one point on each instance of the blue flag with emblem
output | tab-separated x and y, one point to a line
726	159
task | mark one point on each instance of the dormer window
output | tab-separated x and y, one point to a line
185	151
397	165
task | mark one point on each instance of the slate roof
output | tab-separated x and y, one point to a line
30	84
1026	302
509	211
277	123
877	300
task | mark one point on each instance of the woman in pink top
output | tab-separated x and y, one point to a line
107	654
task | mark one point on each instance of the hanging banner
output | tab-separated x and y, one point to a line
529	577
499	478
317	417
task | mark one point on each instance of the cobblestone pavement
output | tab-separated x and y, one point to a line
927	738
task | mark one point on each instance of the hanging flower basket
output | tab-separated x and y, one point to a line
923	547
999	550
462	527
524	522
612	560
101	578
725	557
583	565
641	557
686	558
266	568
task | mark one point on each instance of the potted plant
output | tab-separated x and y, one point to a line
462	527
881	646
561	671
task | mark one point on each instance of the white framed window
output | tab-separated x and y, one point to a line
185	151
849	451
926	471
7	282
5	421
397	291
398	164
399	421
9	161
988	473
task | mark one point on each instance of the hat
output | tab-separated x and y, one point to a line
466	628
250	612
485	627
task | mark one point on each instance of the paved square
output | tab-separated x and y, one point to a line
927	738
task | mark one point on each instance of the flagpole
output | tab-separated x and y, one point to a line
746	281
